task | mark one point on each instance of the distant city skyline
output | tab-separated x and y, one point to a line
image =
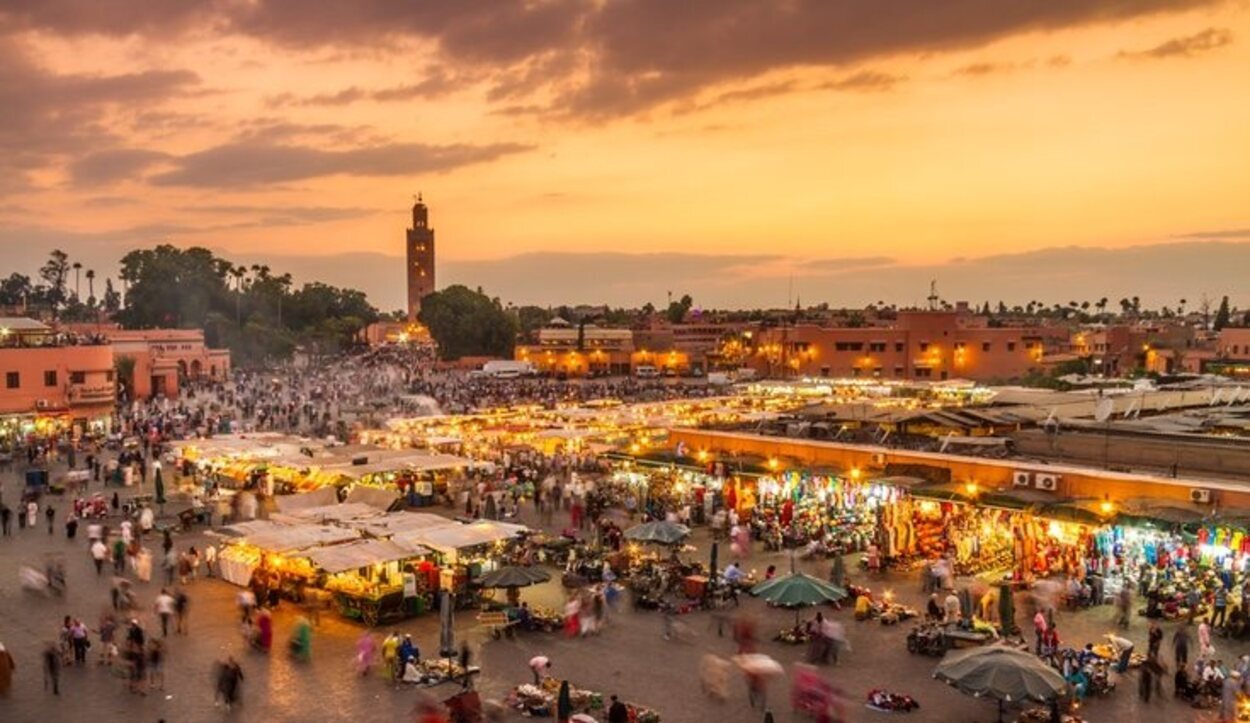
1062	150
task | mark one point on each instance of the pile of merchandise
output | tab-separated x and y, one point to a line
545	619
796	635
884	701
440	670
540	701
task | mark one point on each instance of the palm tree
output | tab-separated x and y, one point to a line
1180	307
91	286
77	266
238	272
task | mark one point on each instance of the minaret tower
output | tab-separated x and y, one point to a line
420	258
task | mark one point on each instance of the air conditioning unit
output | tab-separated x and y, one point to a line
878	459
1200	496
1046	482
41	404
1021	478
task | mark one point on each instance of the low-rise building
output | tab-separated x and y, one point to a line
156	362
920	345
563	349
53	383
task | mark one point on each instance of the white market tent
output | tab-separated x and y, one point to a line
363	553
456	536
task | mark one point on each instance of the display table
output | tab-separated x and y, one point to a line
373	608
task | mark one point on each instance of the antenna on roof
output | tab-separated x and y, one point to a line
933	295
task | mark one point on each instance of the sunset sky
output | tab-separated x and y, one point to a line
611	150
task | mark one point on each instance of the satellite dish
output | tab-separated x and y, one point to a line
1104	409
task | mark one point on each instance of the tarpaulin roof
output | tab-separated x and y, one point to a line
340	558
456	536
334	513
378	499
320	497
396	522
289	538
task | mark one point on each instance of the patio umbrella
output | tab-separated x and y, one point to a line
564	703
797	590
661	532
514	576
1004	674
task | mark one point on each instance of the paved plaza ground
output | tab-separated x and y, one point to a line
629	658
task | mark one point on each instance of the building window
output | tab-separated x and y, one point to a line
924	372
876	346
898	371
108	375
1011	346
49	378
848	346
77	377
985	346
12	380
924	346
959	346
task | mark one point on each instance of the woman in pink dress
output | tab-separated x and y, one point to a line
366	651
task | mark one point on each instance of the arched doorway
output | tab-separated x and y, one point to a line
196	369
182	369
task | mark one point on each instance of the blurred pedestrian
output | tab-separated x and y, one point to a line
52	668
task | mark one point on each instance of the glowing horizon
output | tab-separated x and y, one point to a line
625	127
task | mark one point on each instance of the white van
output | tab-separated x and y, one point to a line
504	369
646	371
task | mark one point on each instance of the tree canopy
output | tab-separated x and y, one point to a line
248	309
468	323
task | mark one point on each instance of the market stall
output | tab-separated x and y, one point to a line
271	546
373	581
